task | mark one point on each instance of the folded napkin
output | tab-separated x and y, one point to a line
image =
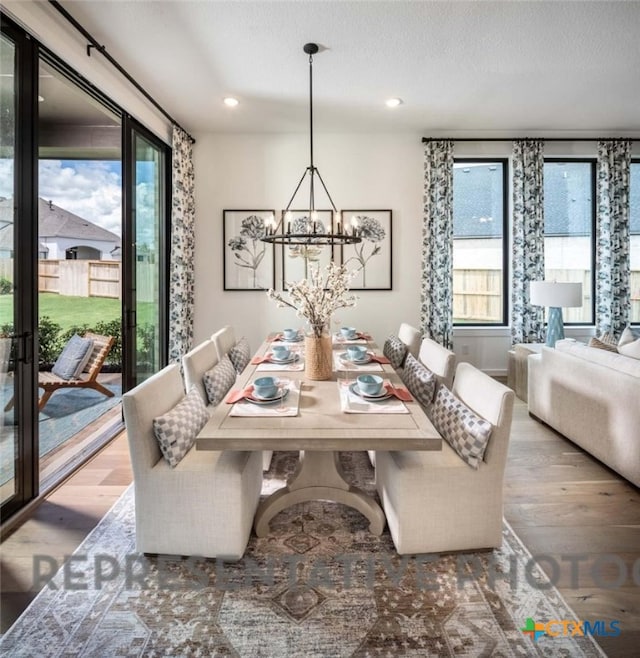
379	358
257	360
397	391
363	336
237	395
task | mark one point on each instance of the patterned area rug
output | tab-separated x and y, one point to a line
67	412
319	585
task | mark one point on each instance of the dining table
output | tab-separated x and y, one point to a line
319	419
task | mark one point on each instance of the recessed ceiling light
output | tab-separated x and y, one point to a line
229	101
393	102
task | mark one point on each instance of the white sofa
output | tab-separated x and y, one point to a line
592	397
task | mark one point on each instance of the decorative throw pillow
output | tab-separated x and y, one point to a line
219	380
419	380
73	358
608	337
395	350
466	432
628	336
176	430
240	355
601	345
631	349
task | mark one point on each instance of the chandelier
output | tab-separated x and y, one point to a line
311	231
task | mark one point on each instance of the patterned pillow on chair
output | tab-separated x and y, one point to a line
176	430
240	355
219	380
395	350
466	432
419	380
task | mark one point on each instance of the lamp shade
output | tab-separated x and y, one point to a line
555	294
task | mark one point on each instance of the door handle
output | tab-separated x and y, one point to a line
24	346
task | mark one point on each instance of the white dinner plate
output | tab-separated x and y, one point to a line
383	395
254	399
282	339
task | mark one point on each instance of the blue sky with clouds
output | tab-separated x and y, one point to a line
92	189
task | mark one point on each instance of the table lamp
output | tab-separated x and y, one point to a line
555	296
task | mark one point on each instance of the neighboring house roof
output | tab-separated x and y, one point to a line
478	191
54	222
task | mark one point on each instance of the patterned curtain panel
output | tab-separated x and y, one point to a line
436	312
527	321
181	265
613	299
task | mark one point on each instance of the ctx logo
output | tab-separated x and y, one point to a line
570	628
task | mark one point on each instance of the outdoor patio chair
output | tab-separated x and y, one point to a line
50	382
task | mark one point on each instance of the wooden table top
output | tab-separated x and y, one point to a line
320	423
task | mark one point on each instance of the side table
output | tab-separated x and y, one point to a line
517	367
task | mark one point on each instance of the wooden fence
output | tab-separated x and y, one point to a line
477	294
89	278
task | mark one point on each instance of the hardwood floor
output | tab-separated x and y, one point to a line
562	503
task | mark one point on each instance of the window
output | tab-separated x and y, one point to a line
479	250
569	191
635	240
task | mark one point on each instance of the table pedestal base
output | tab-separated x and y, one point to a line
319	476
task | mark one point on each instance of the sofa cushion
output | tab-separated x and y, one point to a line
466	432
419	380
240	354
176	430
603	345
73	358
631	349
219	380
395	350
628	336
618	362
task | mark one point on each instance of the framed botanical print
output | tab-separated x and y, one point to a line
298	260
370	260
248	263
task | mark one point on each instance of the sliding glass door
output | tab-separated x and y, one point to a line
18	432
145	259
83	217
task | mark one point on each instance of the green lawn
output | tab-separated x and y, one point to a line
77	311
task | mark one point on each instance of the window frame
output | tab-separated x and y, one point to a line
593	162
635	161
506	242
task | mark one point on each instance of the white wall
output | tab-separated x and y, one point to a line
261	171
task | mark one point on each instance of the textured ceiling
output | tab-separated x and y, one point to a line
480	68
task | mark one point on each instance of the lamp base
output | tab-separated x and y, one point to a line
555	326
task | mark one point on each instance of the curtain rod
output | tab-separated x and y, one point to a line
102	49
425	140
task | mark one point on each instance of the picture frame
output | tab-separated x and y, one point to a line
373	257
297	261
248	263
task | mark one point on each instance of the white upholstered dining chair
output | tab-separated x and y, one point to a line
436	502
195	364
440	360
224	339
411	337
204	505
